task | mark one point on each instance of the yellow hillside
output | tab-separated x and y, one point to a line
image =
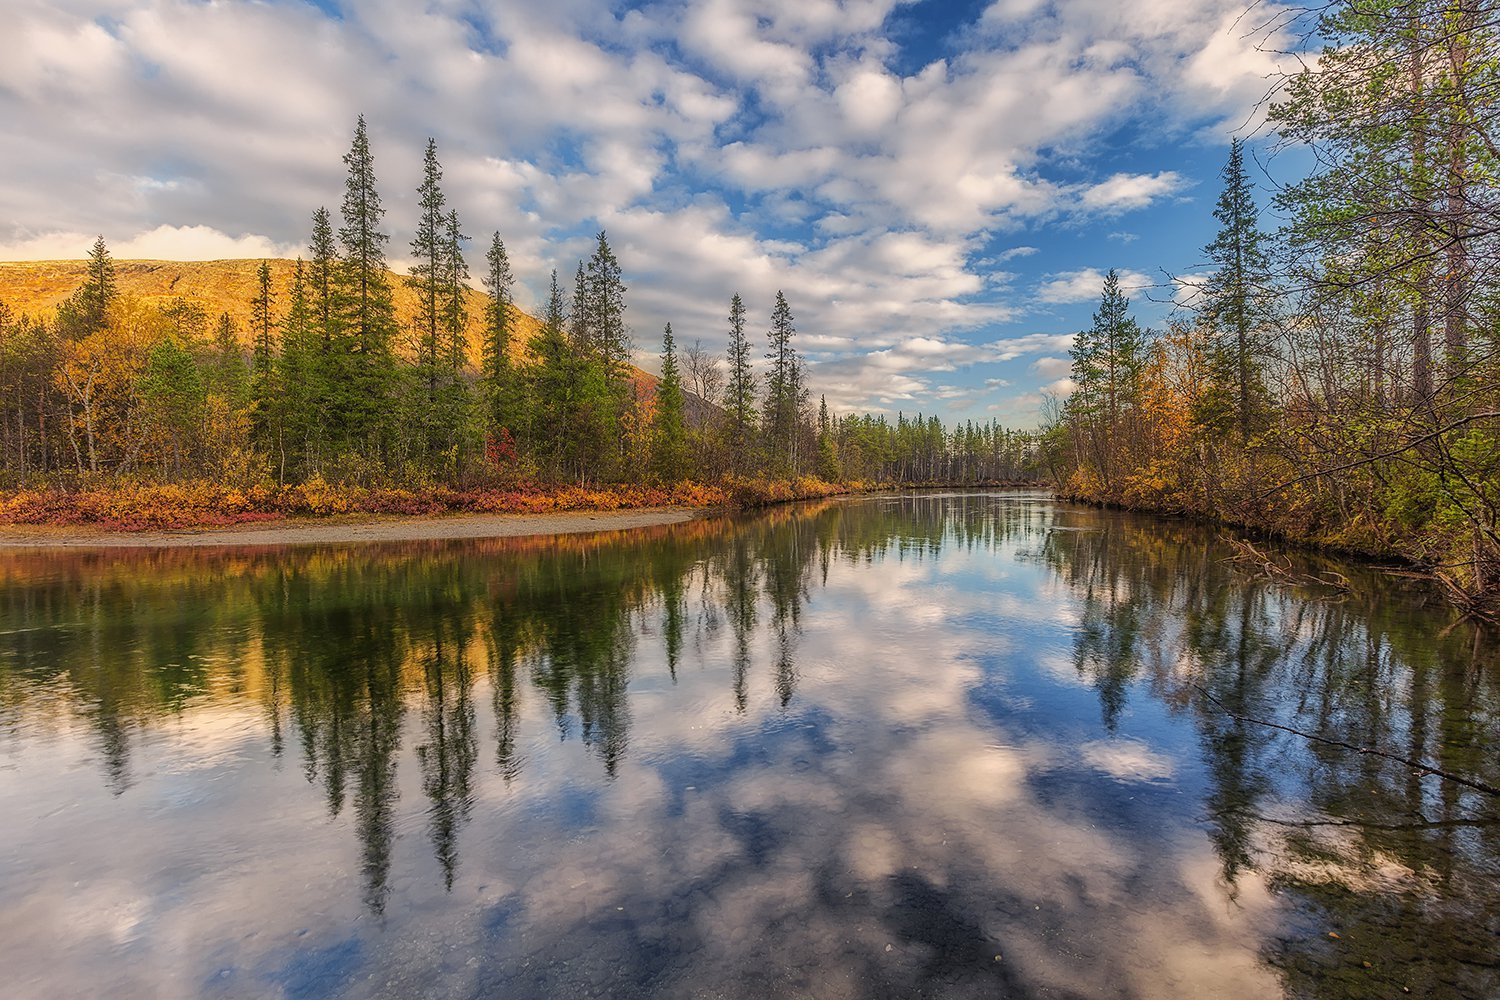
219	286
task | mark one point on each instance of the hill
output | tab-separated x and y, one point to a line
36	288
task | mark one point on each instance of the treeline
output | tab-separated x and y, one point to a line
1335	380
335	387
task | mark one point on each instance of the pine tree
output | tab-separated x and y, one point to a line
1107	357
228	375
739	394
781	403
828	457
1236	291
98	289
1107	361
500	389
571	398
605	300
498	282
578	319
262	317
670	447
298	401
323	276
364	305
455	314
262	370
427	251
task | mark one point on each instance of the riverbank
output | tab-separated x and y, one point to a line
128	514
1368	542
347	531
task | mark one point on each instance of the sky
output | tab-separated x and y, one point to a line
937	187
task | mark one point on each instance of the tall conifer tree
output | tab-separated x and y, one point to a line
670	450
99	288
426	277
782	387
365	305
739	393
1236	291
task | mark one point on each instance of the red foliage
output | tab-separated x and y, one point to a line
128	506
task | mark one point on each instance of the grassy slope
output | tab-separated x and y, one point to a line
37	287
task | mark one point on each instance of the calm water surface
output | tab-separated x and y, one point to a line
945	745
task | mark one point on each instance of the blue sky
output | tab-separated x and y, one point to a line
937	187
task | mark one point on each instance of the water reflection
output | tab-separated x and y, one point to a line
952	743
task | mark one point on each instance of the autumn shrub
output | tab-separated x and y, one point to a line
140	506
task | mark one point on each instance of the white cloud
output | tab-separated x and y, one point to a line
1086	285
727	145
1123	192
1052	367
161	243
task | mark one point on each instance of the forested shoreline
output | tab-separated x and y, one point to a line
331	403
1334	380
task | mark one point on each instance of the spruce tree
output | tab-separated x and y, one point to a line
98	289
455	313
828	457
739	394
262	317
427	251
498	383
571	399
1107	362
606	311
322	277
298	400
1236	291
262	370
551	381
364	304
781	404
670	448
498	282
453	391
578	320
228	375
438	274
1107	357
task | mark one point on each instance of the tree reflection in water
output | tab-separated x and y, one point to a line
1399	863
350	651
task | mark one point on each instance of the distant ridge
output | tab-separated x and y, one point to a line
37	287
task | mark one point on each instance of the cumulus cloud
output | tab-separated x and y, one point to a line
161	243
1051	367
1123	192
1086	285
729	145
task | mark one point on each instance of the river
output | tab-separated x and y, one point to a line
947	744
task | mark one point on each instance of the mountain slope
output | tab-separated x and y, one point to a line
36	288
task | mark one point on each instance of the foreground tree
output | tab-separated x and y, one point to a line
739	393
364	366
781	404
670	446
1236	295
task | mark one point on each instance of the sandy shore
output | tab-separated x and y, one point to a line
390	529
